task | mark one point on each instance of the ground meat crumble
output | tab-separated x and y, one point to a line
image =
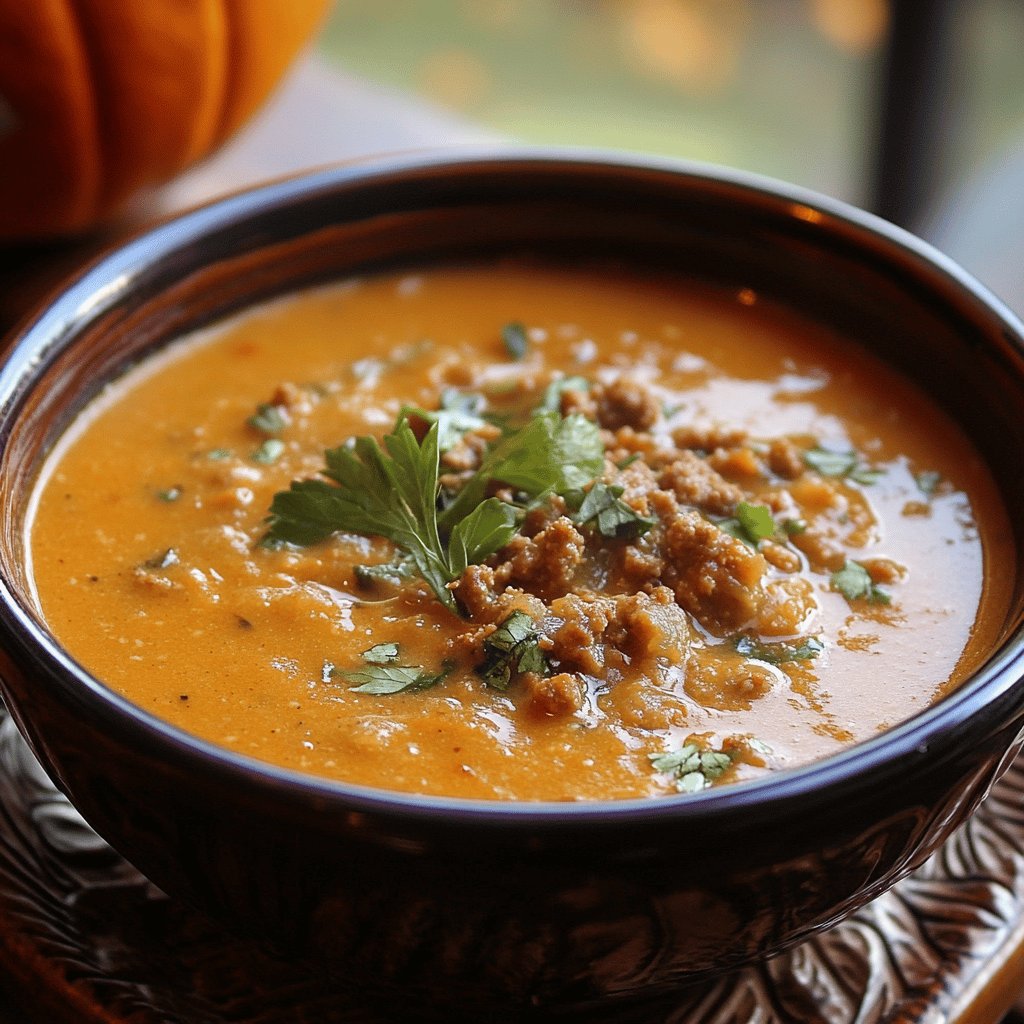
655	602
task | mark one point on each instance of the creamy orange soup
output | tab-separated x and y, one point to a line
669	537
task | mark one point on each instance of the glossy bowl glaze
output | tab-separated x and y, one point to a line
554	905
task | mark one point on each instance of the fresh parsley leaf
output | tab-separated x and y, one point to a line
751	524
459	413
552	400
841	464
381	654
927	481
694	769
268	419
778	653
488	528
270	451
854	582
396	571
391	491
604	509
386	679
516	342
513	648
548	454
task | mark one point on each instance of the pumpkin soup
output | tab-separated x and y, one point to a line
520	533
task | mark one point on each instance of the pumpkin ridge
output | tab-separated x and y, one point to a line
269	44
93	64
49	171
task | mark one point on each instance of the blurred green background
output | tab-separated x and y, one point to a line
783	87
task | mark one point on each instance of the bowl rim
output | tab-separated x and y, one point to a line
98	286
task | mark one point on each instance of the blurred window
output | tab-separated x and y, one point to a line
787	88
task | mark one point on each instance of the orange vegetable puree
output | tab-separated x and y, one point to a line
795	557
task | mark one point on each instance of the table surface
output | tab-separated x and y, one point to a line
85	938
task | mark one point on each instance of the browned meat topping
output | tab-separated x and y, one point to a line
626	403
694	482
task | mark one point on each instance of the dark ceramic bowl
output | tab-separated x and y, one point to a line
541	903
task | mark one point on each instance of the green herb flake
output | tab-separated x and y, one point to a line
928	481
756	521
627	461
388	679
268	419
794	527
170	494
841	464
513	335
694	769
218	454
779	653
854	582
751	524
381	654
268	452
395	572
512	649
865	476
604	509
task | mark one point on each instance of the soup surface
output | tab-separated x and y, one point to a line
644	538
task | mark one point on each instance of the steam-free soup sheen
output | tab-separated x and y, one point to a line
706	539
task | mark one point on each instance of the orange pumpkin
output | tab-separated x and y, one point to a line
101	97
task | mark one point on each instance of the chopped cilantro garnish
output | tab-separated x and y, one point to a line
385	679
841	464
854	582
549	454
693	769
268	419
751	524
779	653
514	336
381	654
270	451
756	521
513	648
604	509
794	527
